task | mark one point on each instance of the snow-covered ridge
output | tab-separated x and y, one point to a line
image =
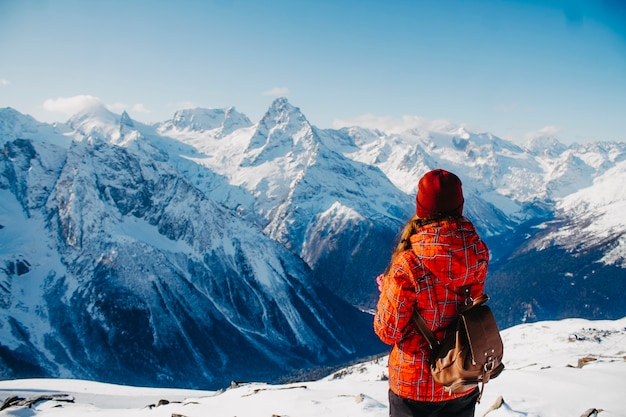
220	122
595	213
560	368
502	178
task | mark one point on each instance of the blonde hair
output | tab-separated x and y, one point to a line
404	237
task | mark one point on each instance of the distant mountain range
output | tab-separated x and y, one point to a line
207	248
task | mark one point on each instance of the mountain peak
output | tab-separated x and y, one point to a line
91	115
224	121
281	111
545	144
281	102
282	128
13	123
125	120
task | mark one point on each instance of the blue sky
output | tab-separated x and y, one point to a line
512	68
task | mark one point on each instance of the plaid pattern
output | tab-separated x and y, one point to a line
446	255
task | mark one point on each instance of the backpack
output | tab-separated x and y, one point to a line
471	350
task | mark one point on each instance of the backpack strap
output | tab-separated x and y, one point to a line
423	327
425	330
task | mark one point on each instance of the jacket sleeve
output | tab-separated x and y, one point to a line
396	303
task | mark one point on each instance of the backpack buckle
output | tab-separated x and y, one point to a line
468	297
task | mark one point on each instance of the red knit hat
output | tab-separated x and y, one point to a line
439	193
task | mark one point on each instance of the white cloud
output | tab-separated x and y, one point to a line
140	108
71	105
4	82
277	92
391	124
135	108
182	105
544	132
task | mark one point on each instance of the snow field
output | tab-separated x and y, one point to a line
543	378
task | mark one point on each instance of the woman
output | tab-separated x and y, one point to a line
438	255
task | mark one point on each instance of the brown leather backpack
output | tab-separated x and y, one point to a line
471	350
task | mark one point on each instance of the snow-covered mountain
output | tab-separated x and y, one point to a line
116	268
336	213
126	247
572	264
551	214
571	367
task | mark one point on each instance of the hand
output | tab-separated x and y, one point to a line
379	281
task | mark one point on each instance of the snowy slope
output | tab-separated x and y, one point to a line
596	212
542	378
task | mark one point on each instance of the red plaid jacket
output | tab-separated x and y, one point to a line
445	256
